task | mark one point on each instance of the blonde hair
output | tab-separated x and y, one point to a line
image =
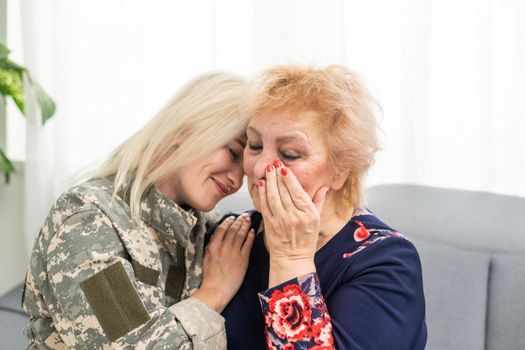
345	109
202	117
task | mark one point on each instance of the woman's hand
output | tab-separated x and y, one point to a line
225	262
291	223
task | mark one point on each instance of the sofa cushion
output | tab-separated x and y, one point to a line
506	310
455	283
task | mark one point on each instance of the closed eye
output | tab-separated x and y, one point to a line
254	146
234	154
290	156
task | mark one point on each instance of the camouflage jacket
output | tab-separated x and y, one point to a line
96	281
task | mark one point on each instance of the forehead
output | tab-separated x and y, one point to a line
286	123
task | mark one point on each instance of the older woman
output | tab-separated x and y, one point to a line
328	272
119	262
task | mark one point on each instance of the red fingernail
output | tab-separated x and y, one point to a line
276	163
268	168
284	171
261	183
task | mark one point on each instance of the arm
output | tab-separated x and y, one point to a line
95	299
295	312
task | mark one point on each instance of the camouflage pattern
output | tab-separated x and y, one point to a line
86	233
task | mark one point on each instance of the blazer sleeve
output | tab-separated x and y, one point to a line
95	300
296	316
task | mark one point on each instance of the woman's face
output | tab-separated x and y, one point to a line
202	184
297	140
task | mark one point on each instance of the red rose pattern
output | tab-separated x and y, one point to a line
296	316
290	312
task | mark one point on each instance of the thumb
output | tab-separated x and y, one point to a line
319	198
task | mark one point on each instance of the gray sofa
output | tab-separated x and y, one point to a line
472	247
12	320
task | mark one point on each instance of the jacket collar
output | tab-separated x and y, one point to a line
173	223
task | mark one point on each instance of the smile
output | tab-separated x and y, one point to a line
223	189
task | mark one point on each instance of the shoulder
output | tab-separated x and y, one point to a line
82	231
86	196
78	219
380	246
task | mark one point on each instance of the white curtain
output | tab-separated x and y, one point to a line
450	75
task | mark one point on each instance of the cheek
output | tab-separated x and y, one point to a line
310	178
248	163
239	173
221	161
302	174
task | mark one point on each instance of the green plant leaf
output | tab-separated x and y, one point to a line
8	64
47	106
6	166
4	51
12	84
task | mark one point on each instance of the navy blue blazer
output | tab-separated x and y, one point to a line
370	278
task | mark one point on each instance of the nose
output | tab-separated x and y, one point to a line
235	176
261	162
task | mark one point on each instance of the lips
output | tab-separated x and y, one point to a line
222	188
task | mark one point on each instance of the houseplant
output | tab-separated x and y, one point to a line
12	84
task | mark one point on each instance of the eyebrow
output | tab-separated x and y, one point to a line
284	138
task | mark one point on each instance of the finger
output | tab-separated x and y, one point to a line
300	198
220	231
273	197
286	198
320	197
248	243
241	234
265	210
233	229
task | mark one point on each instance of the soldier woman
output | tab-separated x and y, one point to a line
119	262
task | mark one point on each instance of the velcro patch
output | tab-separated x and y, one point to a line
176	276
145	274
114	301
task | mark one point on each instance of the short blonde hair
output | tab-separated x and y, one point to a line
345	108
202	117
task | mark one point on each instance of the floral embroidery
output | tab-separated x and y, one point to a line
361	233
296	316
364	245
369	237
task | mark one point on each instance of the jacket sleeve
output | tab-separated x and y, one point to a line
95	300
296	316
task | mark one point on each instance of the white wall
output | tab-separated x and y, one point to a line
13	256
